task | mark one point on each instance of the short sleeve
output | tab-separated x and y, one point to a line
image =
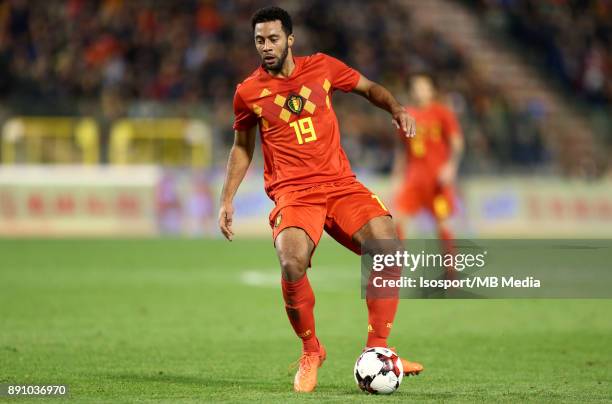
343	77
244	118
450	125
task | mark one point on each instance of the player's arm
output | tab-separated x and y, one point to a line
382	98
453	136
448	173
238	163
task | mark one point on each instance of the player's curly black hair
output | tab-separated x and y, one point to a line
273	13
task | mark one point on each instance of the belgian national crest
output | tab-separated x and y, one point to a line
295	103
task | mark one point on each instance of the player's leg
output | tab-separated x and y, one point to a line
406	203
442	209
382	309
447	245
297	223
446	236
378	236
356	215
294	249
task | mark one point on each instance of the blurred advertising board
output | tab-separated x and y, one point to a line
123	201
150	201
503	207
538	207
518	207
77	200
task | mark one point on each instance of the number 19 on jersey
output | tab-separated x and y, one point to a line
303	127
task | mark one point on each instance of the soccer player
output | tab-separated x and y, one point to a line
426	164
307	174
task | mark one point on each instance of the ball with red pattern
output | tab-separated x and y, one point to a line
378	371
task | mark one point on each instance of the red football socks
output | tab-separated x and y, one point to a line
381	312
382	306
299	304
447	238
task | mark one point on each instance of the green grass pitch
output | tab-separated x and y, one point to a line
198	320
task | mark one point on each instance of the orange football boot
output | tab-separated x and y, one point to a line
410	368
305	379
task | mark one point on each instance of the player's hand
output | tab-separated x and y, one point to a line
447	174
226	212
404	122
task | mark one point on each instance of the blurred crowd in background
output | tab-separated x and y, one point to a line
573	36
113	58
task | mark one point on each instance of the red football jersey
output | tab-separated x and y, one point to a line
298	126
429	149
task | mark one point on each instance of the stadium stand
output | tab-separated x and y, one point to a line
113	59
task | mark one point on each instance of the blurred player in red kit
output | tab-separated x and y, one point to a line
307	174
426	165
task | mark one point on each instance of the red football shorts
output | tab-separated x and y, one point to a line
423	192
341	208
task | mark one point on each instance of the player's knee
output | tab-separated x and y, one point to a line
378	236
293	267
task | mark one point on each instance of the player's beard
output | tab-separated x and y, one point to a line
276	67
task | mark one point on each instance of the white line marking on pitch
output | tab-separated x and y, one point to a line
272	278
260	278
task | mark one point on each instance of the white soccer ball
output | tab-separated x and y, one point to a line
378	371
